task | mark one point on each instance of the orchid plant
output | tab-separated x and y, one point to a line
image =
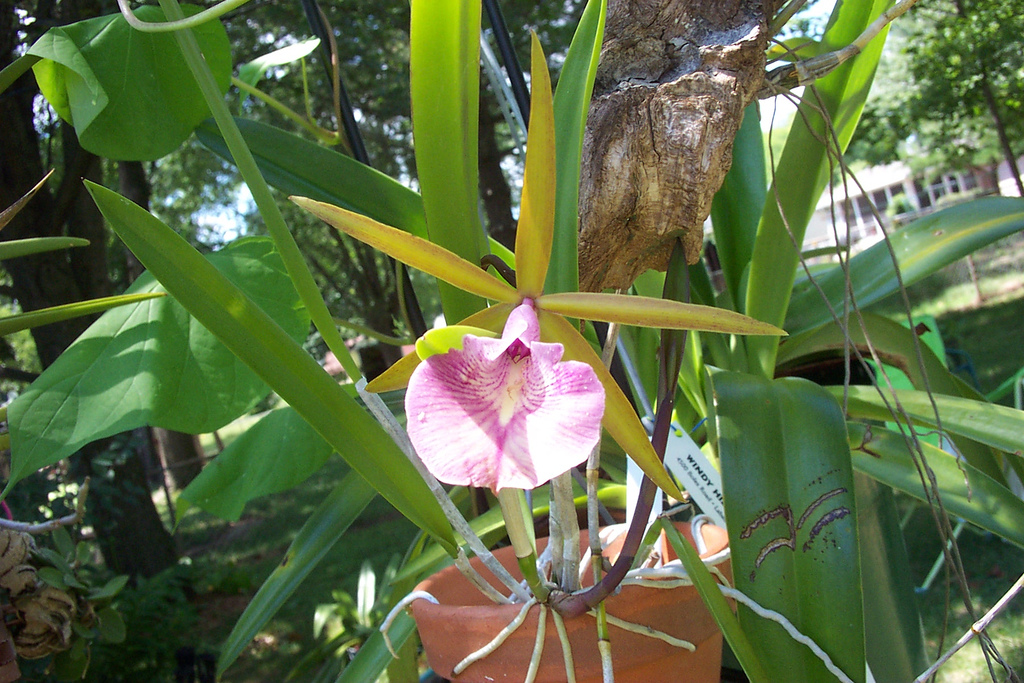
515	393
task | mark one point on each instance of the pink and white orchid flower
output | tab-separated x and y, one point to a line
504	413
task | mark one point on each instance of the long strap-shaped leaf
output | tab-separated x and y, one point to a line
316	537
47	316
262	345
572	104
791	513
895	346
883	455
988	423
803	171
921	248
297	166
444	63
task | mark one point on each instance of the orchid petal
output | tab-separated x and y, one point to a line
444	339
504	413
620	419
413	251
646	311
537	209
397	376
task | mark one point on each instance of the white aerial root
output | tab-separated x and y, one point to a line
790	629
642	630
538	646
563	638
393	614
498	639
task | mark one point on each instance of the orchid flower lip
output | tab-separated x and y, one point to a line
504	413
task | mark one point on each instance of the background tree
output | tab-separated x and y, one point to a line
951	90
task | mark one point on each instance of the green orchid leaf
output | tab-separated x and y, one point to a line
965	491
413	251
736	208
803	171
571	106
315	539
895	347
620	419
127	93
443	339
134	365
988	423
297	166
46	316
716	603
491	320
651	312
444	60
252	72
537	210
38	245
253	337
275	454
922	247
791	513
893	637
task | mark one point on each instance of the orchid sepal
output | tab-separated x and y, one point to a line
646	311
536	228
619	419
413	251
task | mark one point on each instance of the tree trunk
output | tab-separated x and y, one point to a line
494	189
672	84
130	532
1004	139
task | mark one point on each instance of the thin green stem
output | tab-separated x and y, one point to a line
325	136
515	523
290	254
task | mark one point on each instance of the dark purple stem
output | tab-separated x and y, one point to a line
670	358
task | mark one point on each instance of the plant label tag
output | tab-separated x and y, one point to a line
695	473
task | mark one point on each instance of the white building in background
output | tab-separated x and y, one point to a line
898	197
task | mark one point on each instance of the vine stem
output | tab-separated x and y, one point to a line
976	629
265	202
177	23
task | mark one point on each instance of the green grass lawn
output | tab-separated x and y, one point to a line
236	557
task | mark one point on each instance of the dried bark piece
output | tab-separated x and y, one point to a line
674	78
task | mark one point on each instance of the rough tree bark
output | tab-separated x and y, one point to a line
673	80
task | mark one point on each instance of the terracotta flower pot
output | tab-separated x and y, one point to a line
466	621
